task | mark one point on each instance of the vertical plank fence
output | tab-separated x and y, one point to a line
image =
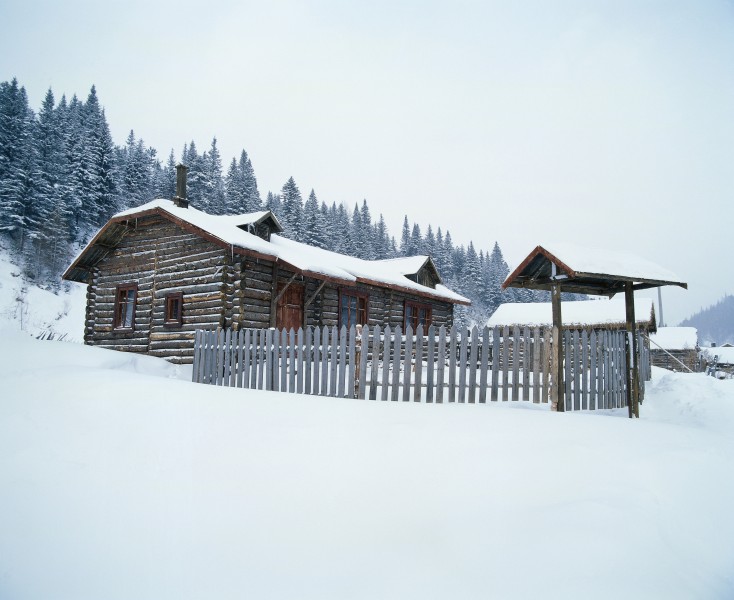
436	366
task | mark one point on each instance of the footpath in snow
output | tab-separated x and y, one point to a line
120	479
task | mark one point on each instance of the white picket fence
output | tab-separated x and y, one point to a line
499	364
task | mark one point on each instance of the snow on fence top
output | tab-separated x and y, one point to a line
675	338
230	230
580	313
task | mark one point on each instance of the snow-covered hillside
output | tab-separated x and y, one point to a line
26	307
120	479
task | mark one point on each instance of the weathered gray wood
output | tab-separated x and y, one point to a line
525	364
269	359
301	361
261	360
537	376
246	357
505	363
567	364
325	361
607	371
408	361
352	358
495	363
234	360
292	367
220	357
343	349
472	383
397	342
308	360
197	356
386	363
548	352
316	360
592	370
441	363
576	370
417	387
431	365
452	364
334	359
584	370
484	365
375	361
462	365
516	347
364	349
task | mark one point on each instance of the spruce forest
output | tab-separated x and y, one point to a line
62	177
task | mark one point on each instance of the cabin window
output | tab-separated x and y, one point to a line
174	310
352	308
125	300
417	314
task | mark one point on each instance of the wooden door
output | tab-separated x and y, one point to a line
289	313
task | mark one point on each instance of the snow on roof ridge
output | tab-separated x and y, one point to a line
302	256
596	260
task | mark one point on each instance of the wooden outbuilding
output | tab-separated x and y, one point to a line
158	272
675	348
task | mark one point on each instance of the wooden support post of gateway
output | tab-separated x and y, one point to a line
558	384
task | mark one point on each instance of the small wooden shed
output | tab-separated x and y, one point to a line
675	348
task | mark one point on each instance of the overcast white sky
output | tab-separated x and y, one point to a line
609	124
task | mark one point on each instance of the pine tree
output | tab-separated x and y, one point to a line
213	186
17	164
416	241
405	238
251	195
291	210
313	228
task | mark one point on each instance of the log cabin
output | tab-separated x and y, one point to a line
157	273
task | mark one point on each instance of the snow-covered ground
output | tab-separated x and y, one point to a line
35	311
120	479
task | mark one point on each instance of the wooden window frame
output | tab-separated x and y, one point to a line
178	321
364	296
417	306
119	304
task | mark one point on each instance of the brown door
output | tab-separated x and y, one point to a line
289	313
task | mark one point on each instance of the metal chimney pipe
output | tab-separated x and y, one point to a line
180	197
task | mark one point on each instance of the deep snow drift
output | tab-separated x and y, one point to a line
119	479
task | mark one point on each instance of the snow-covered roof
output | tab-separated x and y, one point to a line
726	355
609	262
309	260
674	338
581	312
587	270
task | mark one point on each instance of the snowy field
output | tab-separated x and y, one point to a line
119	479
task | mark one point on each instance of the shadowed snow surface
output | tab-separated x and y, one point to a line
119	479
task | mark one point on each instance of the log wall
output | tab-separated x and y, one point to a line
219	289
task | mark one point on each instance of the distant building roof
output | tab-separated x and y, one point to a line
674	338
581	313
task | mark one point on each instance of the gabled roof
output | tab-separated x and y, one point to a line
588	271
226	231
581	313
675	338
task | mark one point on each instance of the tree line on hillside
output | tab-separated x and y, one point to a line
715	324
62	177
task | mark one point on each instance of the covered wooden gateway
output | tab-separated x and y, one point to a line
566	268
